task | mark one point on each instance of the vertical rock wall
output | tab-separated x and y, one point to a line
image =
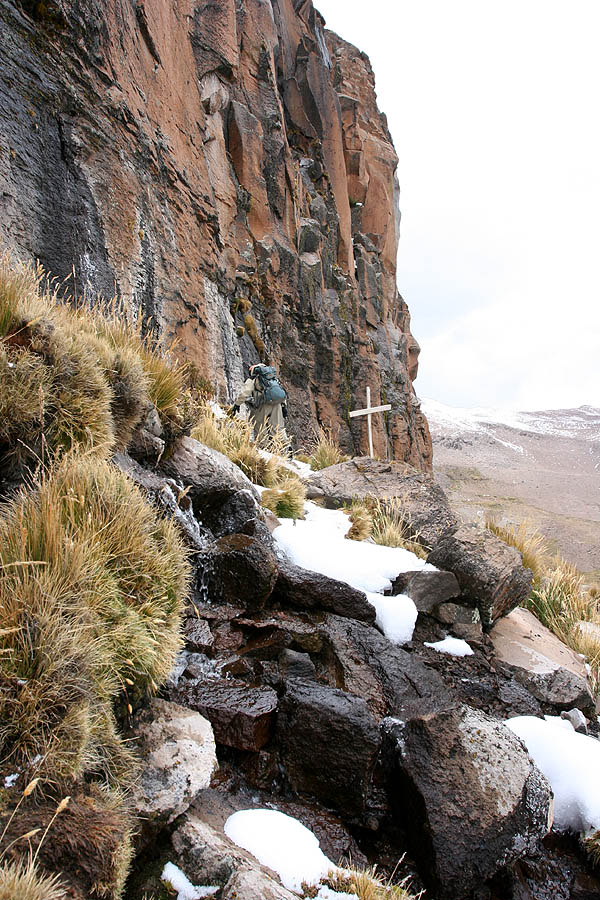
223	167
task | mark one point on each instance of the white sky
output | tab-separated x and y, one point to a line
493	106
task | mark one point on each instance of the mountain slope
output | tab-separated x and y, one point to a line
543	466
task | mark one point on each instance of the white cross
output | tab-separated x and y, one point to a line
368	412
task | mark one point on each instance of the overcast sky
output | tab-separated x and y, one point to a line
493	106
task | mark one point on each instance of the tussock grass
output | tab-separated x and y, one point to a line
92	585
72	376
22	879
361	517
530	543
392	526
559	597
366	884
591	845
287	499
325	451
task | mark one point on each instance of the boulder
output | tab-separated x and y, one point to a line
240	570
469	795
307	590
390	679
554	673
241	715
170	497
328	743
491	574
427	588
427	510
223	498
178	750
208	857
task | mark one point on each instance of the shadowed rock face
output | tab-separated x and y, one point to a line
224	168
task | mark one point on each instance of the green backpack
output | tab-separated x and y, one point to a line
267	386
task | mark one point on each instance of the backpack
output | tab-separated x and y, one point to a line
267	386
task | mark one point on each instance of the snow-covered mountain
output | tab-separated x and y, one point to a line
543	466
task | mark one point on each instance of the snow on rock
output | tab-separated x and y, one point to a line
327	893
181	883
318	543
571	762
396	616
451	645
281	843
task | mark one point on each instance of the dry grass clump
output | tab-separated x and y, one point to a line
71	376
392	526
559	598
92	585
591	845
361	516
365	883
234	438
530	543
325	451
287	499
22	880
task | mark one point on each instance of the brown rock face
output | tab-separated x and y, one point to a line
224	168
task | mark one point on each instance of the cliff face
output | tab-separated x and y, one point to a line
223	167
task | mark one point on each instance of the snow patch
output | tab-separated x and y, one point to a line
451	645
282	843
184	887
571	762
318	543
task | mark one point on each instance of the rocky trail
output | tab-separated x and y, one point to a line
385	749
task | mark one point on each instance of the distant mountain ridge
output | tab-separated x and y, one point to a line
543	466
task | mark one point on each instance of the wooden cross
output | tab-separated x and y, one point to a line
368	412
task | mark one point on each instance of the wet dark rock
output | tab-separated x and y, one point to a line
472	800
169	496
223	499
323	734
424	503
293	664
241	715
197	635
307	590
490	573
427	588
390	679
238	569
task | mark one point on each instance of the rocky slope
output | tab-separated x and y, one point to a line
224	168
543	467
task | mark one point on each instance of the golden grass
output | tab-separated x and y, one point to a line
22	880
559	597
92	585
361	517
366	884
591	845
392	526
530	543
287	499
325	451
71	375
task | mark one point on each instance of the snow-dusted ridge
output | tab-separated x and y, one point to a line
581	422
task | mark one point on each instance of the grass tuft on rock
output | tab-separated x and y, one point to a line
361	517
72	376
366	884
23	880
287	499
392	526
92	584
325	451
559	597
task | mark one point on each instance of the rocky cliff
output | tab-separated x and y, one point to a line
222	167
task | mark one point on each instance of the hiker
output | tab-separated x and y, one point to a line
266	399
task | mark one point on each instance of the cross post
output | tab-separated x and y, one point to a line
368	412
